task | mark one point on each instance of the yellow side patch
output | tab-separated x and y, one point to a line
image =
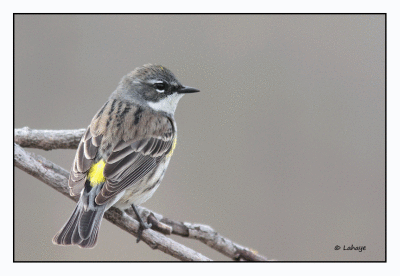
95	175
173	147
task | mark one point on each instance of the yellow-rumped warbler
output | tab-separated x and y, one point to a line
125	151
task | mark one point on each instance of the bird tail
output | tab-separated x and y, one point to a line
82	228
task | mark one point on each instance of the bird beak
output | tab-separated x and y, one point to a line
187	89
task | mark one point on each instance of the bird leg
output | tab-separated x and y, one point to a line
143	225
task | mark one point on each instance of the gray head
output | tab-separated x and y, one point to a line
154	86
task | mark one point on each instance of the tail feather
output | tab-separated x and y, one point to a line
91	241
86	224
63	237
82	228
76	239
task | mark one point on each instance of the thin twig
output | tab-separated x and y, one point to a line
203	233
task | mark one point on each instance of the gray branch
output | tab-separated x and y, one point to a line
201	232
57	178
48	139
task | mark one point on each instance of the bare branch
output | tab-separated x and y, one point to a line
203	233
57	178
48	139
67	139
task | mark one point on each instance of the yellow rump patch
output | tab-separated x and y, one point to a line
173	147
95	175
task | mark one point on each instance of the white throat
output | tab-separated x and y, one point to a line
167	104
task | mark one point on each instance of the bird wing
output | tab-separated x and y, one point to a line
84	159
131	160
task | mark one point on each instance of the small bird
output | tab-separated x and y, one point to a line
124	153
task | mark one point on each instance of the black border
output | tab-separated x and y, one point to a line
14	14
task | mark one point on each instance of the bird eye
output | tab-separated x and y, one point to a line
160	87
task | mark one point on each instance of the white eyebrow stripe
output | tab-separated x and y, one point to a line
154	81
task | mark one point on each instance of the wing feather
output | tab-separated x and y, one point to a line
84	159
131	161
90	150
112	169
97	140
119	155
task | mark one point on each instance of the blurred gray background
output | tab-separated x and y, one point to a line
283	151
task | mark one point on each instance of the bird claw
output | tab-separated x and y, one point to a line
143	225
